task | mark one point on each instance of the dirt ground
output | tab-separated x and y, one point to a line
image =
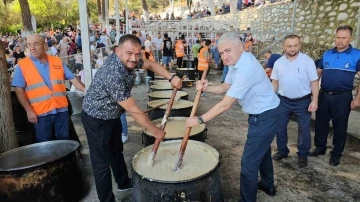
318	182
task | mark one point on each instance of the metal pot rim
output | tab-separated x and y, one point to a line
76	146
180	181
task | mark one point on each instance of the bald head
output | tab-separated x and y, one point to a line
36	45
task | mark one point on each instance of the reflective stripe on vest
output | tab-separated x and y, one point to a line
34	86
39	99
58	82
203	63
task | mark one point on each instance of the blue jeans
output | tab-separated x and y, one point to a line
124	124
300	109
157	55
225	71
257	154
46	124
335	108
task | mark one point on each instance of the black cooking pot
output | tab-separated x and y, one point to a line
42	172
204	188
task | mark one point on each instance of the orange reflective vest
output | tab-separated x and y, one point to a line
151	56
179	49
40	96
203	62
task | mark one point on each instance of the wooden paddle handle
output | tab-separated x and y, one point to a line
156	107
193	112
164	121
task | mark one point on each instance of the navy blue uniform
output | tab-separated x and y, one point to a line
335	97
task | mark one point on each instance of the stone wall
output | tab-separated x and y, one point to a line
316	21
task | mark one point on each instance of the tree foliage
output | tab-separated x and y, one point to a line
59	13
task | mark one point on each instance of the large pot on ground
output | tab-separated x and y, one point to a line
180	108
189	72
160	87
76	99
175	130
42	172
197	180
166	95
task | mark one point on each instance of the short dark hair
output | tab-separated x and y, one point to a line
134	32
208	42
345	27
166	35
197	41
269	52
292	36
131	38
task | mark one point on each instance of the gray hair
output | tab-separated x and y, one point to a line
230	36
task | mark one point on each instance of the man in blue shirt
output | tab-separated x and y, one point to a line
337	70
58	118
271	59
247	83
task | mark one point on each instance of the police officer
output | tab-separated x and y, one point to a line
295	78
337	71
247	83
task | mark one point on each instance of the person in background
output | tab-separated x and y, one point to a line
157	41
271	59
17	55
180	51
124	127
337	70
195	49
166	48
39	83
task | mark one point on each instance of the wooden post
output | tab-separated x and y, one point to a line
8	139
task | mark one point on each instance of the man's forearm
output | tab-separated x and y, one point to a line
142	119
218	89
275	84
24	101
219	108
315	90
78	84
157	68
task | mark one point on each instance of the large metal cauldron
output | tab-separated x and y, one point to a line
204	188
76	99
43	172
189	72
160	87
180	108
198	133
167	94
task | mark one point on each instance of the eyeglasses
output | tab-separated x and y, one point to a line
34	45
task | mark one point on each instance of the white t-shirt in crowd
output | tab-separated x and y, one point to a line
147	45
53	50
157	43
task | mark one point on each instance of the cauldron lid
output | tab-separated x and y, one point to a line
36	154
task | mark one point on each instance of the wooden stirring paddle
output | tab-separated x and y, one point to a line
188	130
155	148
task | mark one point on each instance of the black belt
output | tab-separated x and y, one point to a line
297	99
335	92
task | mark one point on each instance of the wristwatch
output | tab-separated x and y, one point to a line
172	77
200	120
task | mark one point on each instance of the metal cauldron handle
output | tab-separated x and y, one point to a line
206	133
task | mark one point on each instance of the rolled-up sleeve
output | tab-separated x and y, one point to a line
68	74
